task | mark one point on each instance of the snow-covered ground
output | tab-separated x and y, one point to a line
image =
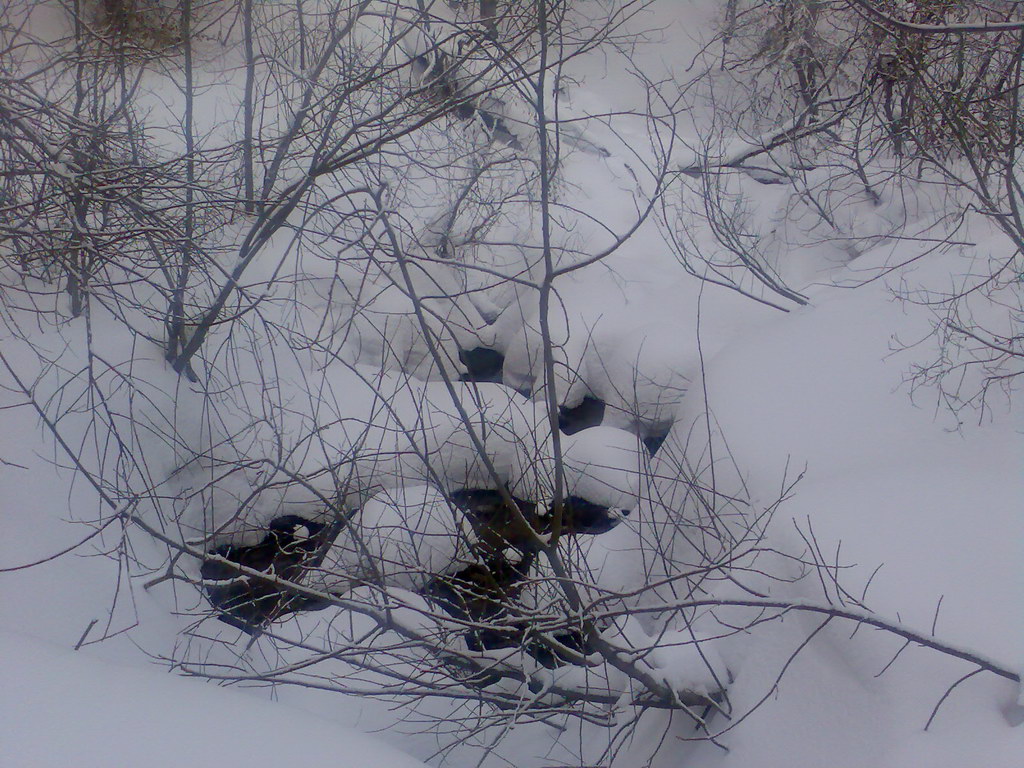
915	511
63	707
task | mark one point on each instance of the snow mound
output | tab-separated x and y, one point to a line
634	359
605	466
602	465
368	311
401	538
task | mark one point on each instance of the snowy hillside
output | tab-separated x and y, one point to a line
626	384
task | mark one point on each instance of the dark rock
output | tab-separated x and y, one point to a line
496	524
482	364
655	440
589	413
549	655
248	602
580	516
480	594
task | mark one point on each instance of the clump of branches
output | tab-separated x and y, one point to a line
867	114
937	77
143	23
85	197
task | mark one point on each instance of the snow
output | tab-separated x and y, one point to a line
400	538
605	466
62	707
616	336
916	508
884	484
